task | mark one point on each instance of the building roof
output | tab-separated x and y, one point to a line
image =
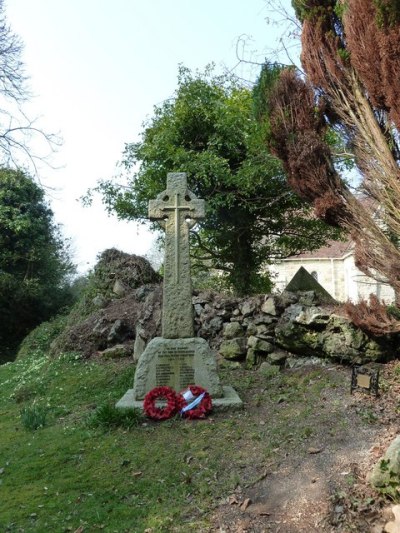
333	250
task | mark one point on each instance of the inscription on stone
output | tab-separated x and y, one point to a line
175	367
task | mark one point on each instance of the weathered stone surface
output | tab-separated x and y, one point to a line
248	307
233	348
100	301
178	209
251	358
232	330
140	343
287	298
277	357
388	466
119	288
260	345
299	362
176	363
118	332
117	351
269	306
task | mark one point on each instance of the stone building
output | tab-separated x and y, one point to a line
333	267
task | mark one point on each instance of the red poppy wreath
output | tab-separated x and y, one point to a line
201	409
161	413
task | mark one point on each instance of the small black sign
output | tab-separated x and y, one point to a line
364	378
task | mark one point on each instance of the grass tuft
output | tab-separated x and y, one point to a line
107	416
34	417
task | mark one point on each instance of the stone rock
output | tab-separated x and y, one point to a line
140	343
251	329
215	324
200	300
236	312
117	351
287	298
232	330
299	362
119	288
269	306
268	370
259	345
387	469
277	357
251	358
117	333
198	309
176	363
233	348
309	298
100	301
142	293
247	307
265	319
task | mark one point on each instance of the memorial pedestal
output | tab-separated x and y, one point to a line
177	363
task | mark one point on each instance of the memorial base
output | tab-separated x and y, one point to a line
177	363
229	401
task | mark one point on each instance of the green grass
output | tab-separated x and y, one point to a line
94	468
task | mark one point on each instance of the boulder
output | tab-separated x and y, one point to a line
251	358
387	469
232	330
233	348
247	307
269	306
117	351
277	357
259	345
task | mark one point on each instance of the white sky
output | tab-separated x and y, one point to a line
97	68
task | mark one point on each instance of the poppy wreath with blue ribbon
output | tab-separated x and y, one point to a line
199	407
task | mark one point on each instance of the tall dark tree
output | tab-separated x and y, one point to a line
351	58
209	131
34	262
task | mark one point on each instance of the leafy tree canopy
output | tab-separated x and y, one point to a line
208	130
34	263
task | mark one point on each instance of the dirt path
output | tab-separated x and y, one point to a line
319	484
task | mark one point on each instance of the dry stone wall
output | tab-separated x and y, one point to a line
265	330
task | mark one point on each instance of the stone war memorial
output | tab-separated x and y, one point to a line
178	358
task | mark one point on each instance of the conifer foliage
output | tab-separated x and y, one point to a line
351	59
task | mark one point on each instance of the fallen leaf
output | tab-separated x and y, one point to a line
245	504
79	530
232	499
137	474
315	450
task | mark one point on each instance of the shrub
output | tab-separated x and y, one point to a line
372	317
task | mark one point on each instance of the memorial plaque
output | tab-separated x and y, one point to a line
175	367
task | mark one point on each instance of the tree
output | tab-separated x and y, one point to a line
16	129
34	263
209	131
351	59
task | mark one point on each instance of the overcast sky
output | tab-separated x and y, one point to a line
97	68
